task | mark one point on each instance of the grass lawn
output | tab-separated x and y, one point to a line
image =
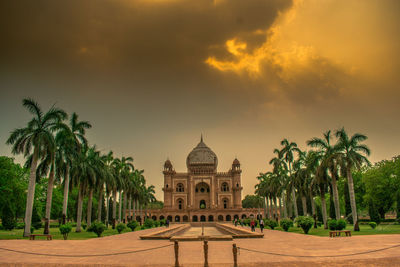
364	230
17	234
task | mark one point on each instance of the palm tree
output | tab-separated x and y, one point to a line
102	181
330	156
109	182
352	155
70	140
83	175
288	154
121	168
37	135
300	177
281	170
98	167
148	196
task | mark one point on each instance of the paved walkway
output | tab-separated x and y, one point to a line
220	252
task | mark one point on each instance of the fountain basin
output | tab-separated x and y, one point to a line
202	231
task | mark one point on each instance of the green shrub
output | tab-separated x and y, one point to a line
97	227
341	224
20	226
305	222
246	222
133	225
162	222
148	223
1	227
286	224
120	227
271	223
7	218
84	225
319	224
332	224
372	224
65	229
156	223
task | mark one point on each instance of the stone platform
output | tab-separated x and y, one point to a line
277	243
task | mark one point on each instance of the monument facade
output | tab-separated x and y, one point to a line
202	193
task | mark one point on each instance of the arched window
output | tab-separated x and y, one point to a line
179	188
225	203
224	187
180	204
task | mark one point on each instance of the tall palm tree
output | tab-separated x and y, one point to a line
83	175
98	167
281	170
70	139
300	176
37	134
288	150
108	159
330	156
101	182
122	167
352	154
322	184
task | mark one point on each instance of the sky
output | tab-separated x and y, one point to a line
153	75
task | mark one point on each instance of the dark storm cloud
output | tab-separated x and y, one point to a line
140	36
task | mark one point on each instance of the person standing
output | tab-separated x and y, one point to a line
253	225
167	223
262	225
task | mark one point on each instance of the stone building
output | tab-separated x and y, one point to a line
202	193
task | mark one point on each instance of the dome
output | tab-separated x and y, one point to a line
202	155
236	162
167	164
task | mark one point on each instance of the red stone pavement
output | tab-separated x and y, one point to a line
220	252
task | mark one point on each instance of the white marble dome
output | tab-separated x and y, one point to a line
201	155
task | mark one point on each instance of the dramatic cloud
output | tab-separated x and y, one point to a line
151	75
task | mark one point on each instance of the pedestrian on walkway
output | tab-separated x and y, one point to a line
253	225
236	221
262	225
167	223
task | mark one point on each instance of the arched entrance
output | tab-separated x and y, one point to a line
195	218
220	218
202	218
210	218
154	218
161	217
177	218
243	216
202	196
185	218
138	219
228	218
169	218
236	217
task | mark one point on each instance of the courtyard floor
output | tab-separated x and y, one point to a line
278	244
